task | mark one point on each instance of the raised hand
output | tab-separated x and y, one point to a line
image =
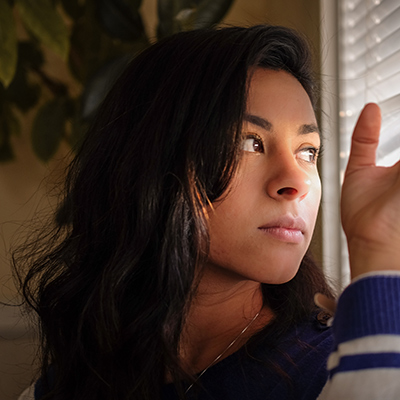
370	201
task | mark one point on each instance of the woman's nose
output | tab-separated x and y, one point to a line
289	181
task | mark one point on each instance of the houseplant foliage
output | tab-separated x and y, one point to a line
96	39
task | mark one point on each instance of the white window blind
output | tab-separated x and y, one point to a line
369	71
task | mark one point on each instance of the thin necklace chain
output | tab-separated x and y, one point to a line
226	349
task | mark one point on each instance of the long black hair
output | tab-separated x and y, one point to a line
112	286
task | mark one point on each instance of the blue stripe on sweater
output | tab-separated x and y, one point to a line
367	361
368	307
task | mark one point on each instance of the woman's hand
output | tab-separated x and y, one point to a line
370	201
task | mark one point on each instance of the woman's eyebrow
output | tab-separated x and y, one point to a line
265	124
308	128
259	121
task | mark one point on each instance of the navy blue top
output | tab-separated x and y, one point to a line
301	354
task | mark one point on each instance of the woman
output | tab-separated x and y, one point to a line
182	268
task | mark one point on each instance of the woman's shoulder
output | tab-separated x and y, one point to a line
308	343
313	332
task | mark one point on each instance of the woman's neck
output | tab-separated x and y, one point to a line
221	310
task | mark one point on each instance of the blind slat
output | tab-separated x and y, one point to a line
383	81
373	28
376	52
384	70
378	32
383	9
370	71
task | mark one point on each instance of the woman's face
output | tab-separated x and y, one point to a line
261	229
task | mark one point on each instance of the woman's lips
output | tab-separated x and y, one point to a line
285	229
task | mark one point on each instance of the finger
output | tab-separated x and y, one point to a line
365	138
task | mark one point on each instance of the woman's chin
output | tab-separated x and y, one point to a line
282	276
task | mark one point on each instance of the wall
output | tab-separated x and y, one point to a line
25	181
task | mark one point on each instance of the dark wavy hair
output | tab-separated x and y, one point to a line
112	286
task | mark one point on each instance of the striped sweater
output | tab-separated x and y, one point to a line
365	362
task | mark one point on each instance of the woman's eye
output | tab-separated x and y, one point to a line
253	144
309	154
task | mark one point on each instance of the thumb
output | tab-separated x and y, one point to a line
365	138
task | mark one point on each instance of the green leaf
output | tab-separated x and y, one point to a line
46	24
73	8
8	44
167	11
204	15
210	12
186	19
98	85
120	20
88	45
21	92
49	128
91	47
